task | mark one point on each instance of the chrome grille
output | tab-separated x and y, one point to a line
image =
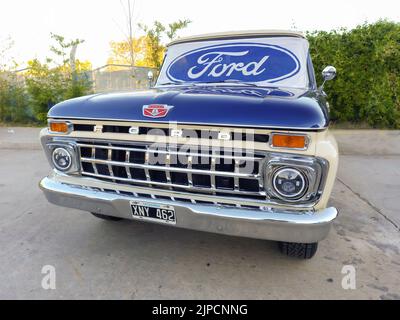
228	173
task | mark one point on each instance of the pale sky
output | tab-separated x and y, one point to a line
29	23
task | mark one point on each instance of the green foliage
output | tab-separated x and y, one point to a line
13	97
174	27
13	100
367	59
27	96
61	47
154	35
48	84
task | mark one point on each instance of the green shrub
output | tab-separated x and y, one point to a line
14	106
27	96
367	58
48	86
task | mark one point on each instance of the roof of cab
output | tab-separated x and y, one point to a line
238	35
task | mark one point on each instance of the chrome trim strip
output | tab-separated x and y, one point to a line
198	124
243	34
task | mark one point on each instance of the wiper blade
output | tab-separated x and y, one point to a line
232	81
199	83
169	83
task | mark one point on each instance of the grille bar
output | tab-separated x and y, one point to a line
211	190
178	153
146	166
93	156
127	160
109	157
213	185
237	170
169	169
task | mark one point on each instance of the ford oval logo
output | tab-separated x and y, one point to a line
252	62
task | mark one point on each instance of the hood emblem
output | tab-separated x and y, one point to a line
156	110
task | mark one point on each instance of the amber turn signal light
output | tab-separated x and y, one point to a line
59	127
288	141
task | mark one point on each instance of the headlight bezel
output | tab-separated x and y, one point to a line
314	169
71	148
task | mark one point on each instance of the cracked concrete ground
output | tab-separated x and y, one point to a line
130	260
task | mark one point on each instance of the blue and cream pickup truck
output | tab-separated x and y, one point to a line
231	138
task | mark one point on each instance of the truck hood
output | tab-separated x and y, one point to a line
242	106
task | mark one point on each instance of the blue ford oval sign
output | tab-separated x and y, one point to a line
251	62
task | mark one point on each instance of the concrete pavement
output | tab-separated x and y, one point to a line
131	260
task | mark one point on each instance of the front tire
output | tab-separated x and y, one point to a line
298	250
107	218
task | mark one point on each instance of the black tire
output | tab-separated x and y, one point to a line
104	217
298	250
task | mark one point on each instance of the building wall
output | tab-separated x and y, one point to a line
125	79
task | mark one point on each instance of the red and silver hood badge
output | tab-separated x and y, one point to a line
156	110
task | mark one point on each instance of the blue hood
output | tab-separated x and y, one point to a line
242	106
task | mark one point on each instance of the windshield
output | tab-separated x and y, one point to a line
268	61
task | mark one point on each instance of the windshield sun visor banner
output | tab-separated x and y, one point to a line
251	62
263	61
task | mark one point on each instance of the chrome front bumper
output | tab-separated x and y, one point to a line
276	224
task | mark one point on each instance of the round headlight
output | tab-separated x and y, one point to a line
62	159
289	183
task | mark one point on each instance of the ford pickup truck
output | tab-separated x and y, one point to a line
231	138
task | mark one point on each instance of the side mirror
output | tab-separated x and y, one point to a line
329	73
150	77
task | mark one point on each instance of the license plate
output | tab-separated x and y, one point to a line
153	212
